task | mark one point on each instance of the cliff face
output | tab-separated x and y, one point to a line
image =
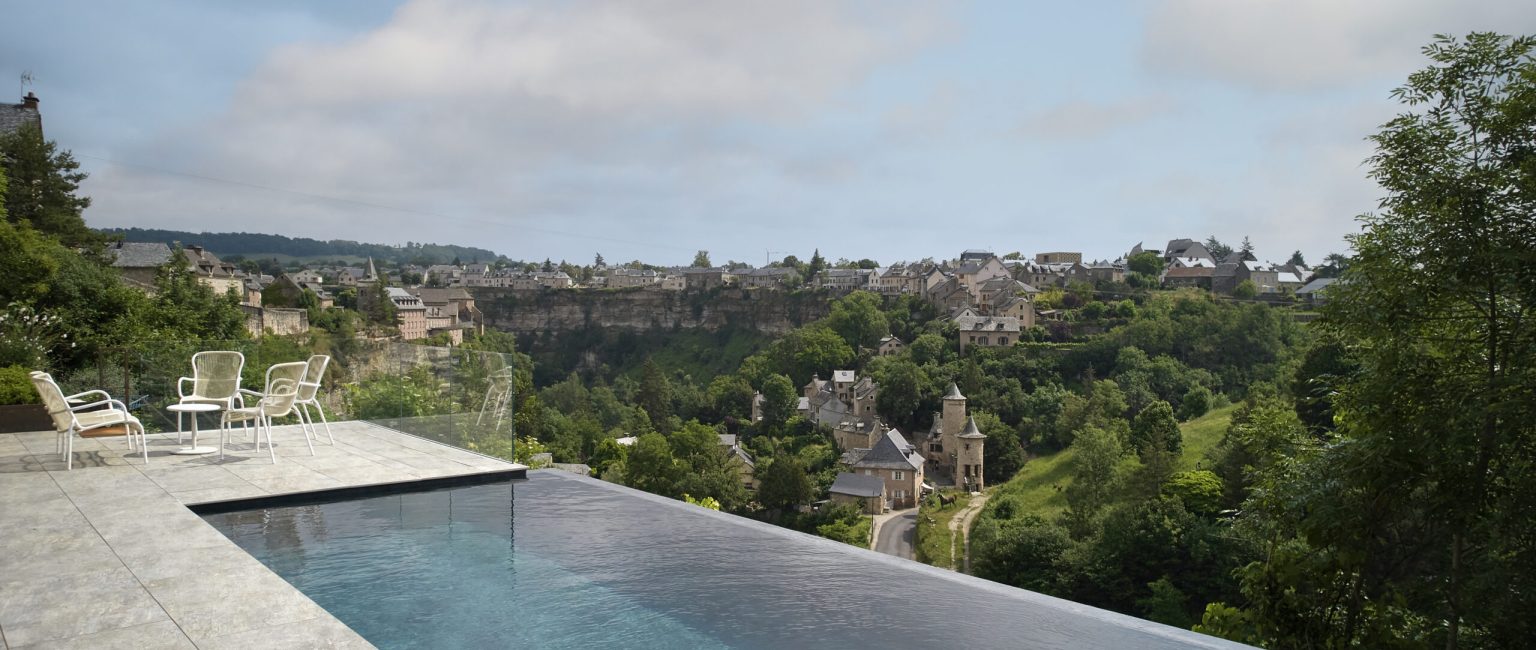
769	312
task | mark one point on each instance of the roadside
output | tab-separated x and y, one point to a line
894	533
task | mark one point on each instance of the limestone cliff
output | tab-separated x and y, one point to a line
769	312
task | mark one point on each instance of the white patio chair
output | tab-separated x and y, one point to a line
215	380
69	421
275	401
309	394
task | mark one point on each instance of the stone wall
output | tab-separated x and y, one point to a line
259	320
767	311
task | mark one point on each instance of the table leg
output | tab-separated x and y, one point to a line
194	449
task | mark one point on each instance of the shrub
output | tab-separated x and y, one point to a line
16	386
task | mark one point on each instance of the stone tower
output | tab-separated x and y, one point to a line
953	421
969	457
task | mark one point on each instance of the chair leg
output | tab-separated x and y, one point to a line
308	440
69	451
180	437
143	444
270	451
326	424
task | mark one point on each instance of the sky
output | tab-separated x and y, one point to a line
650	129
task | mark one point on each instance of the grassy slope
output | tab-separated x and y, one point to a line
933	537
1042	484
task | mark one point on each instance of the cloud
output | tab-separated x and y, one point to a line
584	117
1078	120
1285	45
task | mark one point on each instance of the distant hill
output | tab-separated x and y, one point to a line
257	245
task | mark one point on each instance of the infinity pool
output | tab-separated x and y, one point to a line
563	561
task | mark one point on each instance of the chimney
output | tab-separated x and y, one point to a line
29	102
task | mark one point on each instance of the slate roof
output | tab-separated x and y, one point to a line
1316	285
138	255
970	430
842	375
891	451
15	116
858	485
987	323
954	392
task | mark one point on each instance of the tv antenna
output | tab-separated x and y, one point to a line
26	80
768	255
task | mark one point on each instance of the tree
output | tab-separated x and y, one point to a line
729	396
42	188
701	260
651	467
1095	470
858	319
1145	263
816	266
597	261
1155	426
1246	248
784	484
779	401
1245	290
1437	308
1195	403
1297	259
902	384
1217	249
1004	455
1334	265
654	394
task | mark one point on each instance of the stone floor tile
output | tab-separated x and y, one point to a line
161	635
75	604
238	601
322	632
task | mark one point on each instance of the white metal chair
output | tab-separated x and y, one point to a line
69	421
309	394
215	380
275	401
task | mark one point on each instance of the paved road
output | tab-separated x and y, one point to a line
898	536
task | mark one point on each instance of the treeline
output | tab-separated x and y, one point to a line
252	245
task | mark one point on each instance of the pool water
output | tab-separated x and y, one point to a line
568	562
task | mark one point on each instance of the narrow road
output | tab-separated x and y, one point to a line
898	535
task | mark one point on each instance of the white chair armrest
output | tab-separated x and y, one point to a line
106	402
180	388
76	396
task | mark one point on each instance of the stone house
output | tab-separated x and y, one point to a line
1058	257
1187	249
217	274
410	314
1043	275
15	116
1316	291
866	492
746	468
673	282
771	277
889	346
444	275
622	277
139	262
973	274
975	255
1021	307
703	279
1188	276
986	331
895	461
1106	272
955	446
454	302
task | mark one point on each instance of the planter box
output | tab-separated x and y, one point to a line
15	418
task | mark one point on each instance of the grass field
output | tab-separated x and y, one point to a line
1041	485
933	537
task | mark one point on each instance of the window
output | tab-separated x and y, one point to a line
869	472
1002	340
901	494
967	446
983	340
896	475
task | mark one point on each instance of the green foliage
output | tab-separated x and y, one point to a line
784	484
42	185
1003	453
1200	491
16	386
1245	290
1166	604
257	245
1146	263
779	401
1155	426
903	386
858	319
1095	478
701	260
813	350
855	532
1195	403
651	467
1026	552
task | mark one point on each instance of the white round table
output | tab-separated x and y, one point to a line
194	409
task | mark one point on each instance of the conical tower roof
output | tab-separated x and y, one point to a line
970	429
954	392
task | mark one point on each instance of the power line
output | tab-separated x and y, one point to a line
375	206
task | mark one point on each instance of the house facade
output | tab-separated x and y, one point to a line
896	462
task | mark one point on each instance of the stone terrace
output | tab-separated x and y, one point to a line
109	556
